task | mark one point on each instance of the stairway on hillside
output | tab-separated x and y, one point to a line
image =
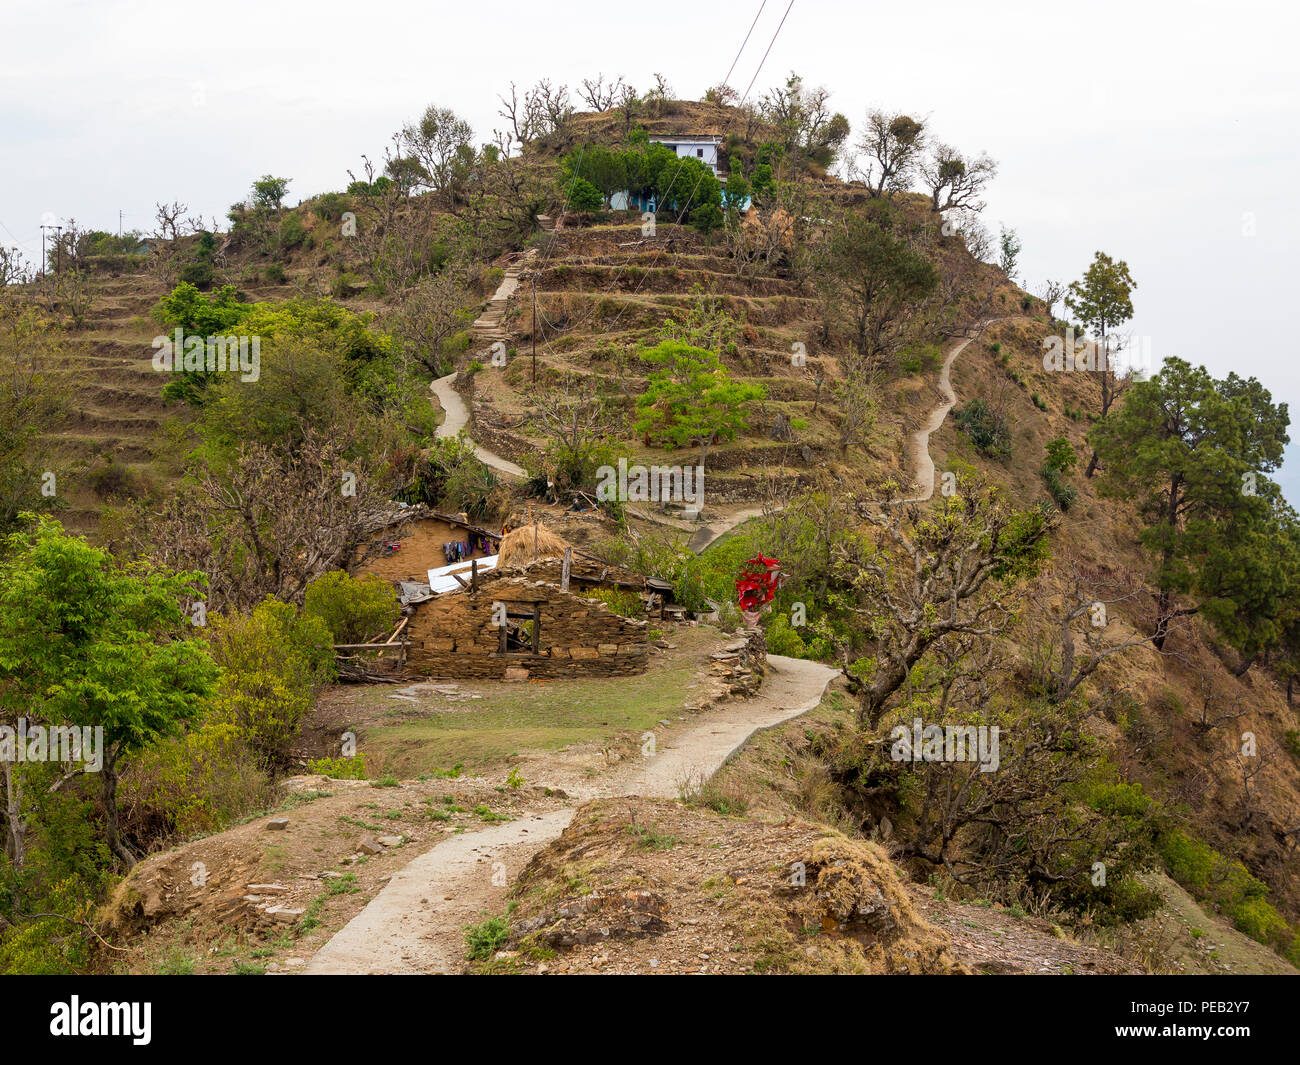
489	327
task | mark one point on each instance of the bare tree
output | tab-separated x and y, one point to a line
600	95
169	217
955	181
1051	293
939	574
1084	617
894	145
14	267
274	520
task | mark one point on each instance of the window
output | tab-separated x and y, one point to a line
522	632
699	153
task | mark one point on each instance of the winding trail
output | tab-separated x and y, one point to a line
457	417
415	925
917	448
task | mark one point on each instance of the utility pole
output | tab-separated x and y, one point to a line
44	263
534	328
119	222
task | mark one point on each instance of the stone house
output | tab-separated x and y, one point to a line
515	624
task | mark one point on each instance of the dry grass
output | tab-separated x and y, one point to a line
528	543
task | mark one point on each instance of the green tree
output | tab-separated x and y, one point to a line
1009	243
880	277
584	196
1193	452
1060	455
354	609
691	398
1103	301
269	192
88	641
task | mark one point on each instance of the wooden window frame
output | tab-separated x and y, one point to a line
534	614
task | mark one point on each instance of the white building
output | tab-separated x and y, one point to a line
705	149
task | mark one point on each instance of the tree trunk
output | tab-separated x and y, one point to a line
109	796
1246	663
16	837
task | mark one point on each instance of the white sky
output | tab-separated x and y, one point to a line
1147	130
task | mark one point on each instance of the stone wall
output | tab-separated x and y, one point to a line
453	636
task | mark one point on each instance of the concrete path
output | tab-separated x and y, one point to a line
457	417
416	924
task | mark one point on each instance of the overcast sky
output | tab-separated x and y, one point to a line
1162	134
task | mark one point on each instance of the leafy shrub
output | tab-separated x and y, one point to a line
584	196
706	217
350	768
621	601
919	357
486	938
987	429
1060	455
353	609
274	661
1062	492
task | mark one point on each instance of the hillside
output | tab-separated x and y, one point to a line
822	322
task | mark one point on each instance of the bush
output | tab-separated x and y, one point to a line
199	274
275	274
919	357
584	196
706	218
1062	492
986	428
351	768
622	601
274	662
354	610
486	938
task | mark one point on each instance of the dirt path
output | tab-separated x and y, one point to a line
917	449
415	925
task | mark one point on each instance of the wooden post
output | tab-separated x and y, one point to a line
564	569
534	328
473	575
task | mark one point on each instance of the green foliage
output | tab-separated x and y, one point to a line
987	429
274	660
1063	493
1229	885
1061	455
691	397
486	938
918	358
269	192
584	196
352	767
353	609
450	477
623	601
1103	299
1194	453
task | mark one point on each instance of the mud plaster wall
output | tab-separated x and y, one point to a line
420	552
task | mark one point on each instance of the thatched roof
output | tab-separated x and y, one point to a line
527	543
